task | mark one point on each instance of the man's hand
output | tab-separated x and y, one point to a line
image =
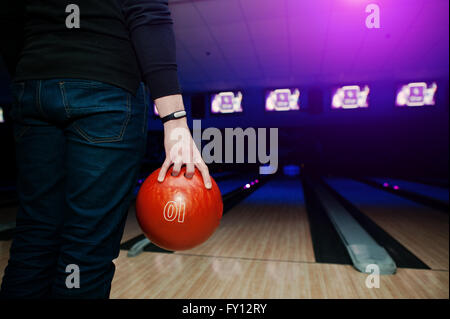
178	143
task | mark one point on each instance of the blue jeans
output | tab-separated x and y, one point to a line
79	146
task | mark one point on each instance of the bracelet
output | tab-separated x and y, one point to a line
173	116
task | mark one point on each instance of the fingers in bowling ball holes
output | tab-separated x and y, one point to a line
179	213
190	171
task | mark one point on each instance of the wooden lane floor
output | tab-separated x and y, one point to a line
262	249
270	256
161	275
270	224
422	230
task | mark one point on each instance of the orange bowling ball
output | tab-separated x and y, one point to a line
179	213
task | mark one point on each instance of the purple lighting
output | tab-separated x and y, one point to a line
416	94
385	184
226	102
256	181
283	100
396	187
350	97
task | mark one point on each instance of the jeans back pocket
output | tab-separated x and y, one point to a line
98	112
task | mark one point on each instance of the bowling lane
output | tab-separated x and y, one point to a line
424	231
270	224
159	275
435	192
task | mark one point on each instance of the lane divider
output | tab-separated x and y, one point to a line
402	256
363	250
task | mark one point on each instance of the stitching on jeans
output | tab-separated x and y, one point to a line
109	139
64	98
87	84
83	85
38	98
80	130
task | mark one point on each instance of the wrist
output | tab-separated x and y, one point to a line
173	116
181	122
169	104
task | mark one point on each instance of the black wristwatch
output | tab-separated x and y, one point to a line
173	116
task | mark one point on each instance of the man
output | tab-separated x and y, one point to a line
80	117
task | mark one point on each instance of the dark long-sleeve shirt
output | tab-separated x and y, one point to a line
119	42
150	26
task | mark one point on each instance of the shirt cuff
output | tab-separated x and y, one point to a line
163	83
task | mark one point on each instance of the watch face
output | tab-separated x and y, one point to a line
179	114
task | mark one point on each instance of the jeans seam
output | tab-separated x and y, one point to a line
38	98
64	98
